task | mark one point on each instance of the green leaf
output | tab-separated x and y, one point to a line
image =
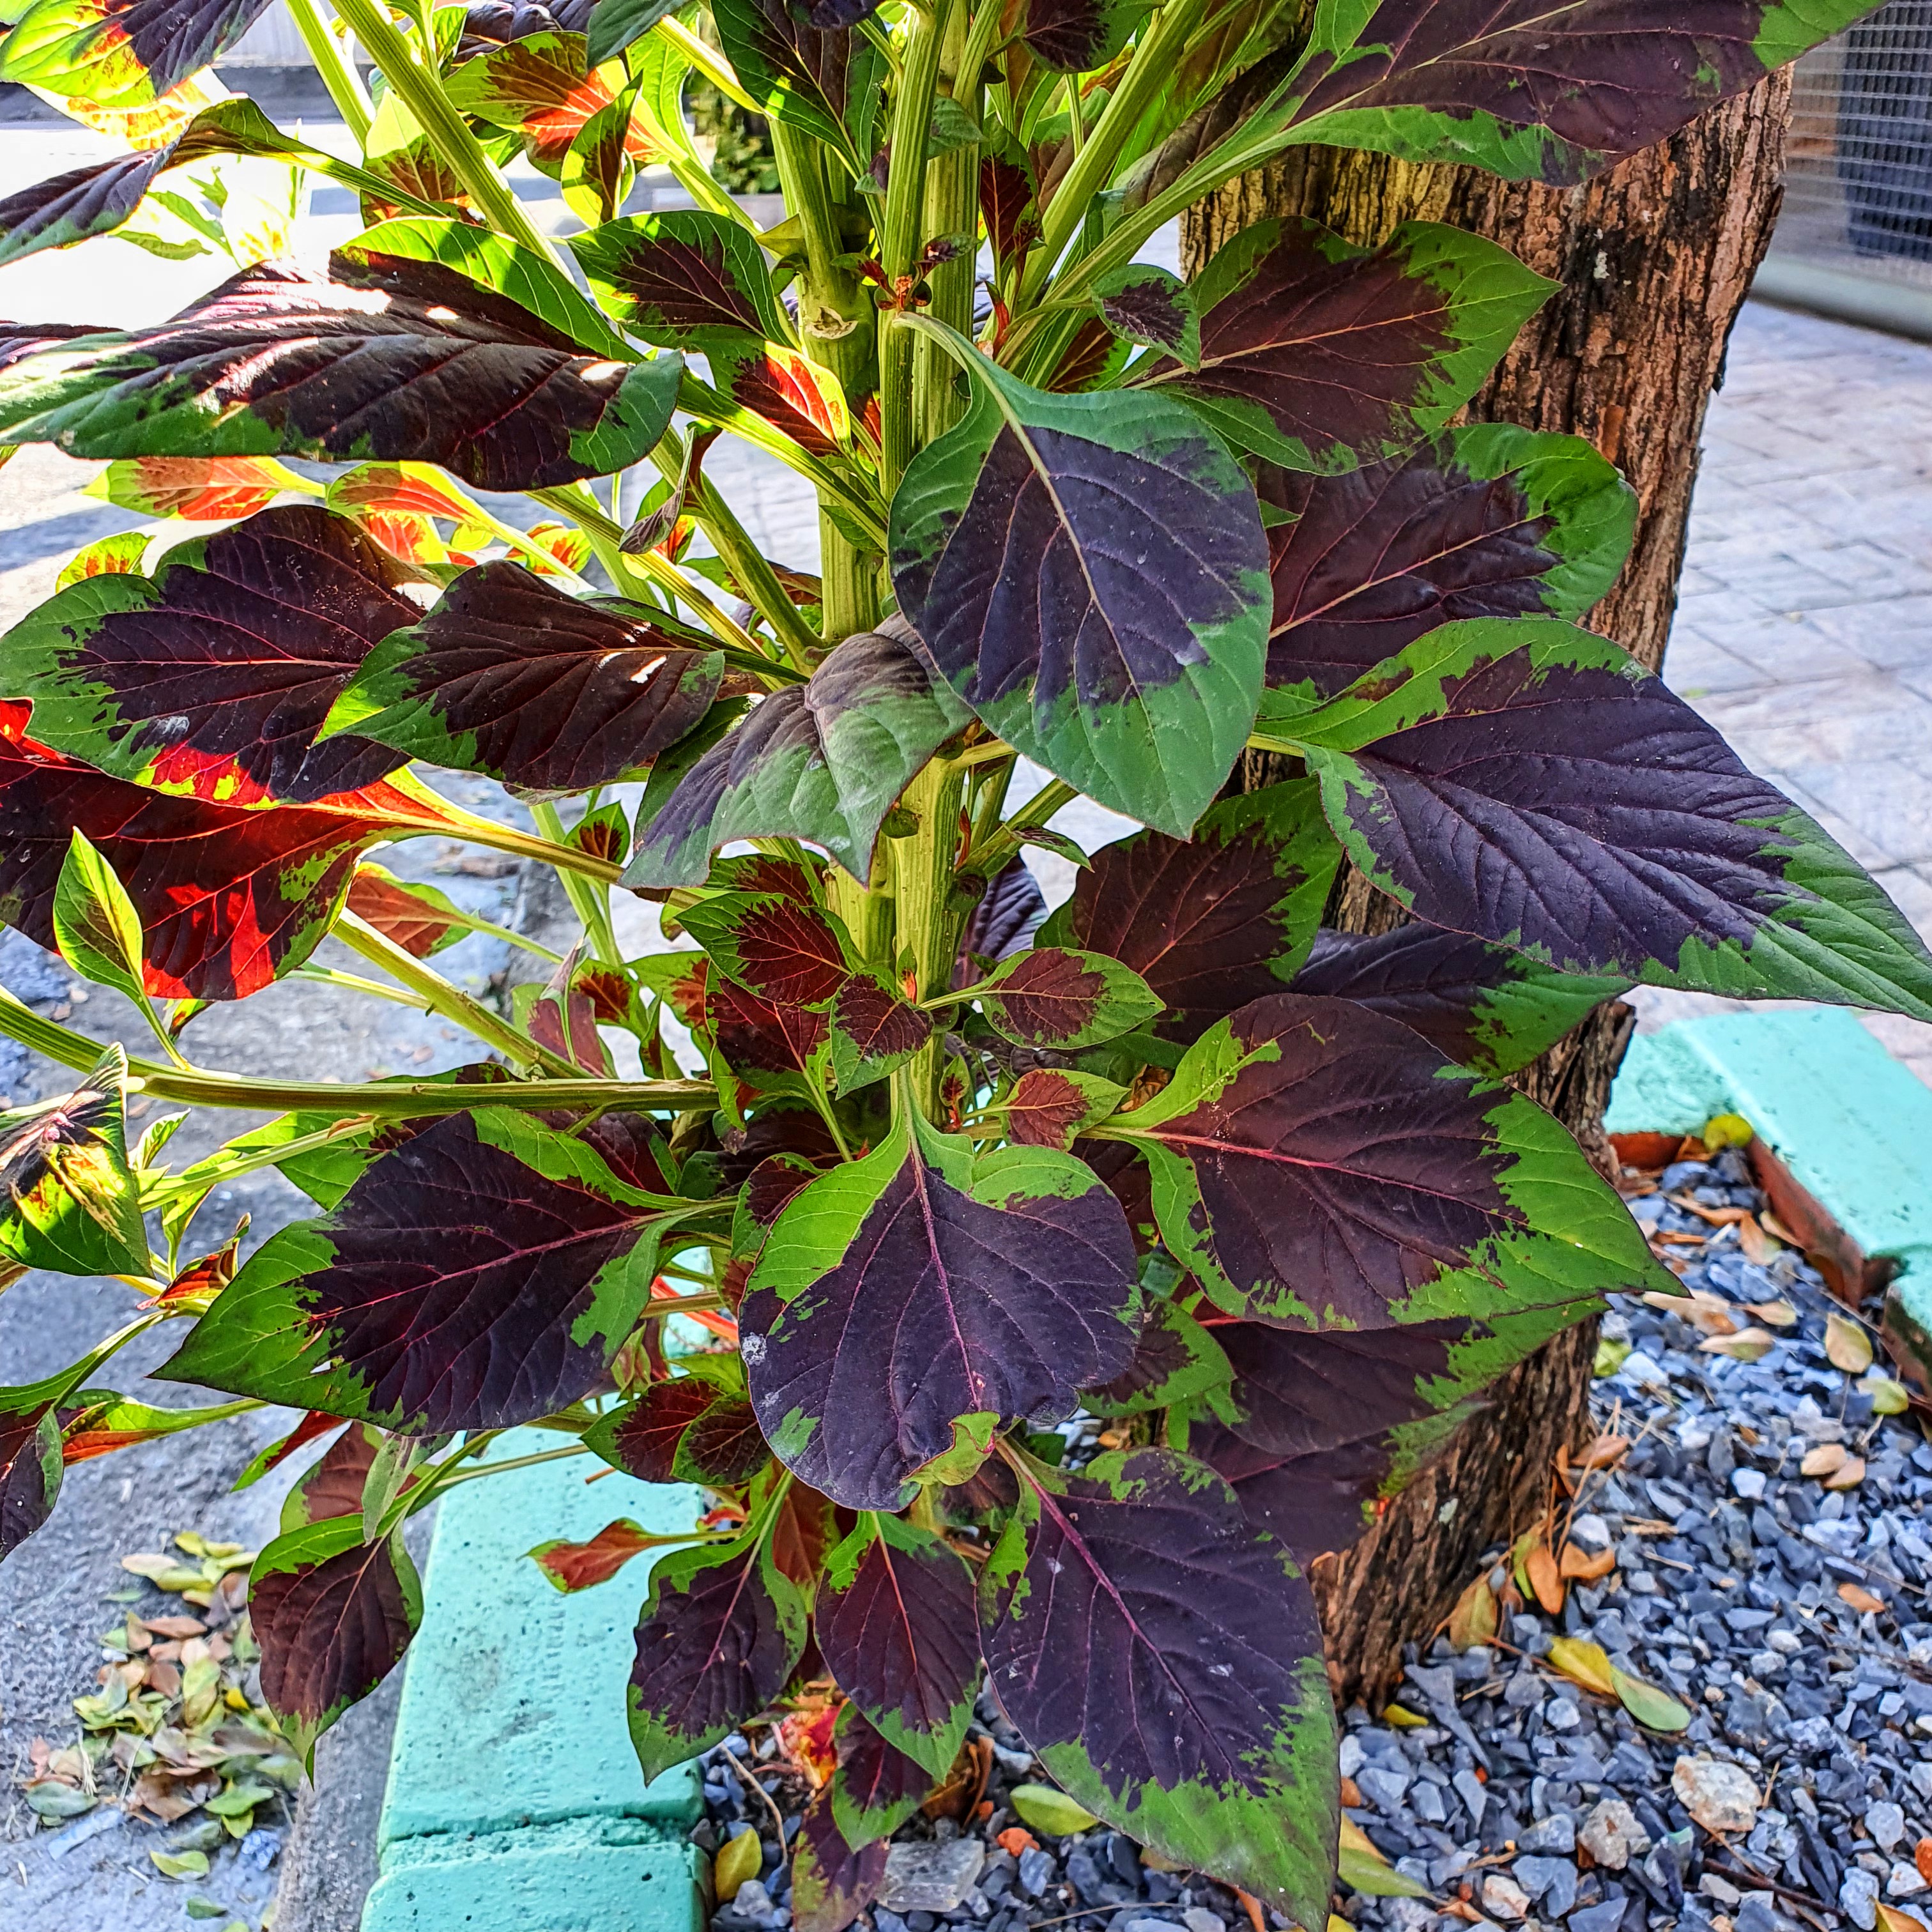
1654	1709
1049	1810
180	1864
70	1203
95	924
1088	572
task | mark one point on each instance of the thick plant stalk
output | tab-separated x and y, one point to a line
952	210
338	73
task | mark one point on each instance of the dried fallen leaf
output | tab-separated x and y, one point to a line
1891	1919
1473	1621
1611	1356
1748	1345
1849	1475
1605	1453
1582	1663
1776	1228
1723	1130
1402	1718
1889	1397
1823	1460
1861	1599
1582	1567
1847	1346
1921	1856
1350	1795
1544	1578
1016	1839
1759	1248
1773	1314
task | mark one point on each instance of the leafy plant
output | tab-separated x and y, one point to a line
930	1176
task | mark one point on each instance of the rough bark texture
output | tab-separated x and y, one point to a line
1654	260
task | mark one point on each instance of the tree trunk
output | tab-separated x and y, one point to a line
1654	260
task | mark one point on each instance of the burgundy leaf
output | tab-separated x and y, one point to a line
572	1567
1163	1658
68	207
398	912
773	1182
214	675
122	52
1049	997
1319	1411
1046	1109
725	1447
719	1634
228	898
481	1274
683	278
30	1471
643	1439
831	1883
912	1288
393	359
333	1615
1214	921
332	1486
878	1023
1316	354
781	951
896	1632
1007	202
511	677
758	1040
1472	523
876	1787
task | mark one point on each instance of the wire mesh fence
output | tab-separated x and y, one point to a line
1858	192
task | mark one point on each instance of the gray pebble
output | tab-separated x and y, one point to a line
1859	1895
1036	1871
1198	1919
1383	1789
1886	1823
1604	1918
1469	1788
1556	1833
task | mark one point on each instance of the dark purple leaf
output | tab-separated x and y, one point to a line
1487	520
19	340
30	1471
333	1615
873	1031
1318	355
1049	997
831	1883
1482	1005
1174	1358
84	201
1212	922
480	1275
1077	36
394	358
1162	1658
716	1642
1147	303
894	1617
642	1438
1527	783
1318	1166
213	676
513	677
683	278
789	954
915	1287
1003	921
876	1787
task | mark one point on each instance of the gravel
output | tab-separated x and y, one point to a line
1517	1798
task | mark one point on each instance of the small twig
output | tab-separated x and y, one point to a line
778	1819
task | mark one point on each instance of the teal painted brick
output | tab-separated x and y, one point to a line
1853	1125
588	1876
512	1710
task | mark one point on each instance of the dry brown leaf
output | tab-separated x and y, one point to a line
175	1627
1891	1919
1921	1856
1582	1663
1848	1475
1847	1346
1861	1599
1473	1621
1774	1314
1544	1578
154	1791
1605	1453
1823	1460
1748	1344
1670	1240
1581	1568
1350	1793
1776	1228
1708	1314
1758	1247
1717	1217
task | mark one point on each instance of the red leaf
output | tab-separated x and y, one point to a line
578	1566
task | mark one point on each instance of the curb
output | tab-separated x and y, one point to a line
515	1803
1843	1147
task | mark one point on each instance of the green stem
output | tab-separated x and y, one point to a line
591	902
354	982
509	1462
1149	70
338	75
422	92
952	208
450	1001
708	62
835	314
742	557
927	927
225	1166
991	857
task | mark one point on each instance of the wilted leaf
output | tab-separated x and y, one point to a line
1545	1579
1582	1567
180	1864
1774	1314
1848	1475
738	1860
1889	1397
1612	1354
68	1201
1847	1346
1748	1344
1362	1868
1473	1621
1861	1599
1826	1459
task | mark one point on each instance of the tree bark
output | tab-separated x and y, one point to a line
1654	260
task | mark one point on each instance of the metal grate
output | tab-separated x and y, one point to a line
1858	192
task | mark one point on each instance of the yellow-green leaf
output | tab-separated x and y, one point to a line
1362	1868
1847	1346
1473	1621
181	1864
1047	1810
735	1865
1889	1397
1583	1663
1611	1356
1723	1130
1656	1710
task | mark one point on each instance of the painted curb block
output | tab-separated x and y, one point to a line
1851	1125
515	1803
